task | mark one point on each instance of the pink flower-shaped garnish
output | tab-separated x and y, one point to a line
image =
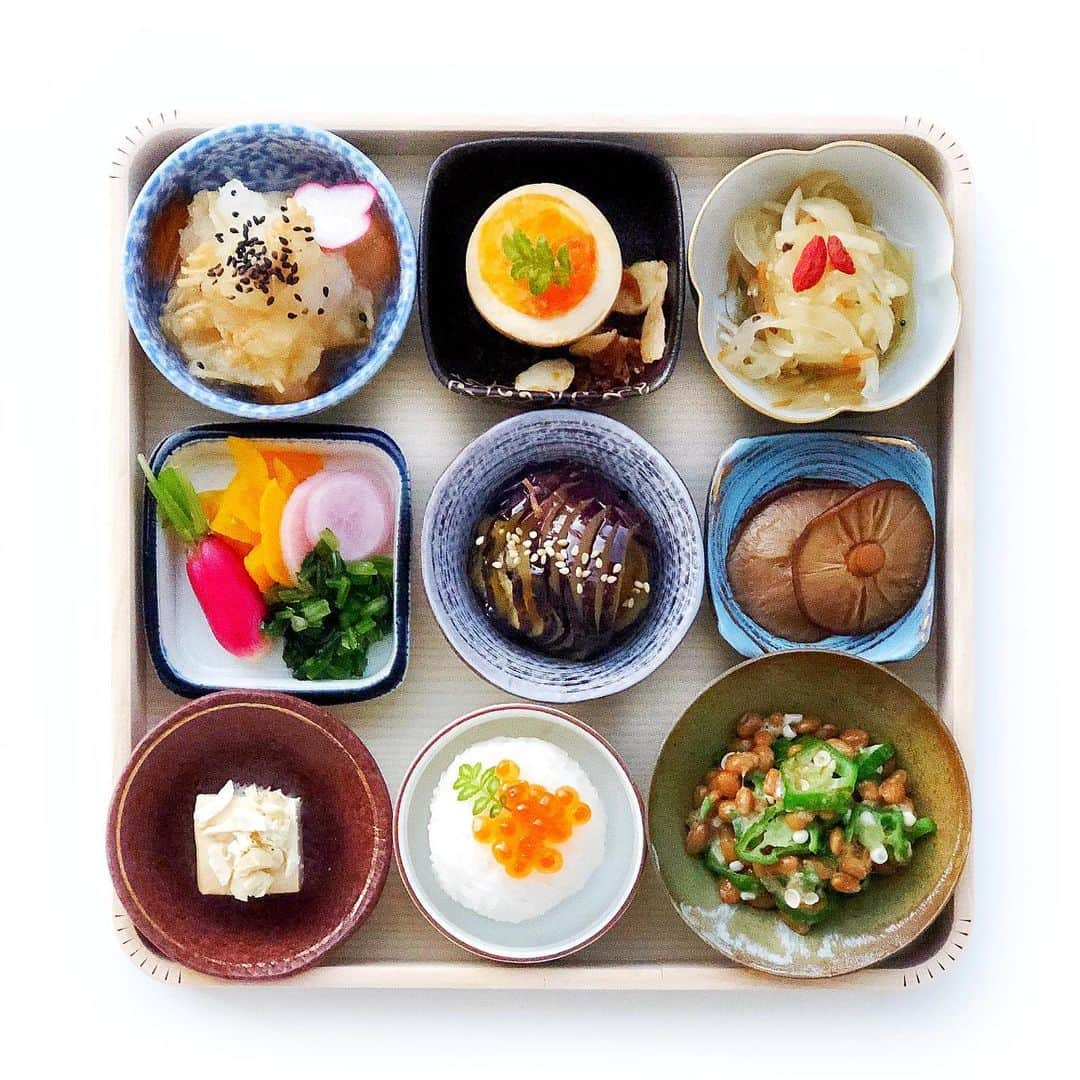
340	214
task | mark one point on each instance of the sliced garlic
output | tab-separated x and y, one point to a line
651	279
552	376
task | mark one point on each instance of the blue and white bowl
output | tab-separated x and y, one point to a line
264	157
752	468
467	489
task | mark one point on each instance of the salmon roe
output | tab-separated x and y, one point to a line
531	820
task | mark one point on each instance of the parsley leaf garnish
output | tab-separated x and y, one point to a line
482	786
537	263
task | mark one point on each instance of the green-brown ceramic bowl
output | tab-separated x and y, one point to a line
849	692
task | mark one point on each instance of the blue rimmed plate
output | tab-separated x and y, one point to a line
264	157
752	468
188	659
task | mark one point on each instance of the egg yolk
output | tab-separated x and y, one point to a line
531	820
538	216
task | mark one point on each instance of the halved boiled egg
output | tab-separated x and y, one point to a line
543	265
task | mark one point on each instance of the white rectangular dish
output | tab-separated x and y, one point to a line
650	948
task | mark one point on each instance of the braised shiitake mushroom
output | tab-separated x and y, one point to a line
759	560
861	564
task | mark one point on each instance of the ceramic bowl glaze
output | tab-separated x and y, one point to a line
751	469
275	741
466	490
264	157
635	190
580	919
186	656
907	208
863	929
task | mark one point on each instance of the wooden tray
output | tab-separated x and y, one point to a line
691	420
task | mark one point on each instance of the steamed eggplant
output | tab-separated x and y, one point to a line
562	561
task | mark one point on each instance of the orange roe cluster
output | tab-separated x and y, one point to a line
531	821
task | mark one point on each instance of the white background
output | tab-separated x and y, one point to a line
73	83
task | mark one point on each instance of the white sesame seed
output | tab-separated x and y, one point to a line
792	897
810	898
822	758
747	896
638	585
804	785
879	855
497	565
479	541
866	818
574	550
909	819
645	586
564	569
584	558
532	534
630	602
800	836
580	588
736	865
617	567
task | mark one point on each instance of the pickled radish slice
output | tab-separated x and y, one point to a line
356	508
295	543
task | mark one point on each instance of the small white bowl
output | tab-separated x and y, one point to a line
907	209
580	919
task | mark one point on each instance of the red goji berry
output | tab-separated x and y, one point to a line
811	265
840	257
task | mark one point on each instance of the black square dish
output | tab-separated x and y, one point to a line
635	190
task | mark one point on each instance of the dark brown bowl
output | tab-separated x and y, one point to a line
273	740
637	191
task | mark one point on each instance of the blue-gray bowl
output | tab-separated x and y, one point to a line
466	490
264	157
752	468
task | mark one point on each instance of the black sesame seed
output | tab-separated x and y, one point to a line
269	301
326	290
298	297
320	312
292	314
236	213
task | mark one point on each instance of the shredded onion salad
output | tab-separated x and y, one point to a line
817	295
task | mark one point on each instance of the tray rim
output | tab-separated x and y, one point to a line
955	645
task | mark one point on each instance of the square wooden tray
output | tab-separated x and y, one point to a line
690	420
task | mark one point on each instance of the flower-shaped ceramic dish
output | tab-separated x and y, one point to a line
274	741
907	209
264	157
465	491
635	190
580	919
187	657
864	929
751	469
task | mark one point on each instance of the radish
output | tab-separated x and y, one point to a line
356	508
339	214
230	600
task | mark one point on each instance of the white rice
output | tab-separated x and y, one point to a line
467	869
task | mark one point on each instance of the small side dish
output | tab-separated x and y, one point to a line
543	267
825	281
519	834
842	807
824	294
823	537
516	827
269	269
291	844
266	285
247	842
562	560
797	813
816	559
275	556
553	270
